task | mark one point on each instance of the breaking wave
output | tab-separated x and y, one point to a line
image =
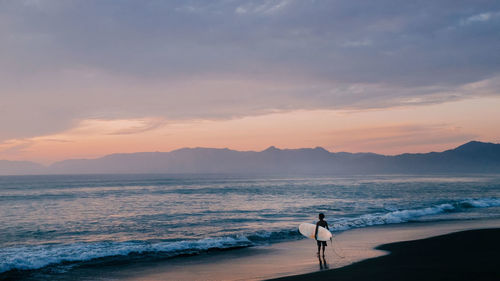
35	257
402	216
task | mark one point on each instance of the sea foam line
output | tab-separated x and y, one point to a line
402	216
35	257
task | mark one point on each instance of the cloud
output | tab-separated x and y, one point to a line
359	43
141	126
85	129
15	147
66	61
109	127
402	137
266	7
482	17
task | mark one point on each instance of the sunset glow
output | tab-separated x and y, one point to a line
387	131
369	84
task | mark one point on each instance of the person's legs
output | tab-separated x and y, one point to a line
323	243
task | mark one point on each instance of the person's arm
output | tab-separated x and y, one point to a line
327	225
316	232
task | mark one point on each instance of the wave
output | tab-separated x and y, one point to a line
402	216
480	203
36	257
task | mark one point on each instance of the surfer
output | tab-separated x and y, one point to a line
324	224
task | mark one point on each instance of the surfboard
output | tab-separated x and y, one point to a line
308	229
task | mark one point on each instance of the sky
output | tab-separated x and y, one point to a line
84	78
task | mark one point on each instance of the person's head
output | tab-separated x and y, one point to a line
321	216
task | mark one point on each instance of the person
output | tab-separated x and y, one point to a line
324	224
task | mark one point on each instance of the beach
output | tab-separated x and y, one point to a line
465	255
357	256
299	257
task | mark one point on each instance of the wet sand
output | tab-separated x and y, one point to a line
296	257
466	255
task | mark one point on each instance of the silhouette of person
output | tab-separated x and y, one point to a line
324	224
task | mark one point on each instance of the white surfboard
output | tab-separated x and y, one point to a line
308	229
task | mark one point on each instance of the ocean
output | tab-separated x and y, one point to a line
53	224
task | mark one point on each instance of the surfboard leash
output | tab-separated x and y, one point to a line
333	248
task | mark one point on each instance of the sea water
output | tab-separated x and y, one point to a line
55	223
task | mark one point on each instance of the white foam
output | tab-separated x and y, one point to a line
483	202
35	257
402	216
393	217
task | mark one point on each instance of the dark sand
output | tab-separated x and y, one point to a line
467	255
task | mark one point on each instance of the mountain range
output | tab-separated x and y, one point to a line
472	157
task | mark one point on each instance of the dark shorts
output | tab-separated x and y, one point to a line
321	243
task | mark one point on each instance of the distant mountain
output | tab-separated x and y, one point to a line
472	157
20	168
202	160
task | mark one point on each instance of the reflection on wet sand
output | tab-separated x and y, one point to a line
322	262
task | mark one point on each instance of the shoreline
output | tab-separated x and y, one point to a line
298	257
463	255
277	260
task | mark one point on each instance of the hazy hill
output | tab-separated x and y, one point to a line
20	168
474	157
